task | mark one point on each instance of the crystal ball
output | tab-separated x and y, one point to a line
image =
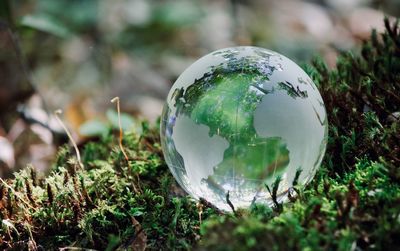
238	119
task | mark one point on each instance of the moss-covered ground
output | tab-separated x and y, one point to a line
110	203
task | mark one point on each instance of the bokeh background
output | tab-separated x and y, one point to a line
78	54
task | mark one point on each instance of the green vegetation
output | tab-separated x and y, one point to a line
232	96
111	203
353	202
354	199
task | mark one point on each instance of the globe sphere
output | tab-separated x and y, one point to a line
237	120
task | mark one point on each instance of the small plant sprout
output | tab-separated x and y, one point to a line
199	206
116	100
32	244
16	194
78	155
9	225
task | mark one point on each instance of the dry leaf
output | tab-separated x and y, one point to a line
140	241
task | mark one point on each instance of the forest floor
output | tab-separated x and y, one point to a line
109	203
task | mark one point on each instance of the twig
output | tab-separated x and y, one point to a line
230	203
210	205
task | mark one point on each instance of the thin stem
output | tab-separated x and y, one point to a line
17	194
199	206
116	100
78	155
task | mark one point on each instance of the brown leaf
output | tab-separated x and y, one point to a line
140	241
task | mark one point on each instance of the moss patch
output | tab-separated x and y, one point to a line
353	202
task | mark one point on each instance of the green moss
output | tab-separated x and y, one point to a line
353	202
109	203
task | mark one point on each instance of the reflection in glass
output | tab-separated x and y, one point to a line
237	119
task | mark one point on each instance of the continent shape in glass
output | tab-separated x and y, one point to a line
239	118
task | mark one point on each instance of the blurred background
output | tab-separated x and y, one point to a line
78	54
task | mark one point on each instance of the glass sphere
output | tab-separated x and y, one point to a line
238	118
